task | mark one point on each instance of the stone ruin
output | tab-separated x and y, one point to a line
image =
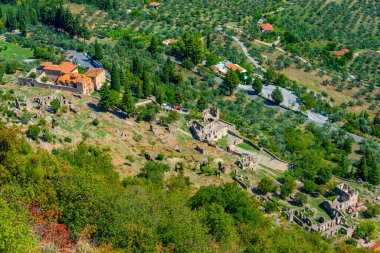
23	104
201	150
211	114
124	135
20	105
346	202
212	128
151	129
45	101
233	142
246	162
327	228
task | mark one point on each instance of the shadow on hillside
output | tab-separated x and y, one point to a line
269	103
97	108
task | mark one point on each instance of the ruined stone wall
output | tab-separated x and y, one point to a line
32	82
244	139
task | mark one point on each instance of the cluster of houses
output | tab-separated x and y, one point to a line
65	76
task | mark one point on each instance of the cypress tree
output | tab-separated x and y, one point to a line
98	51
146	85
115	77
231	81
257	85
127	103
277	96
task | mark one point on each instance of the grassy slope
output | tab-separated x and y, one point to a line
14	52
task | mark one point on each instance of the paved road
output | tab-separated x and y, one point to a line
313	117
290	100
245	50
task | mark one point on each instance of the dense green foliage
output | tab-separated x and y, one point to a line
52	14
77	193
352	25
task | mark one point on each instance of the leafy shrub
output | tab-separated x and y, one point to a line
208	171
95	122
44	79
160	157
33	132
68	139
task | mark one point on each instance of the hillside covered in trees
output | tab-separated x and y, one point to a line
72	199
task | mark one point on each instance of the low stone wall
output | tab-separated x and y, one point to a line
274	156
231	127
245	140
356	182
23	81
241	183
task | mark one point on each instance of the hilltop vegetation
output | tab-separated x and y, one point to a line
72	199
54	200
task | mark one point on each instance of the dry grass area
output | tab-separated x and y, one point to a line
127	152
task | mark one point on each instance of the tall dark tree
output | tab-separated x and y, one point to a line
10	22
98	51
257	85
115	77
127	103
369	166
108	98
190	47
154	47
231	81
201	103
146	84
137	66
277	96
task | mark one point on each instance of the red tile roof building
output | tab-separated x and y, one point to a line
97	76
63	67
266	27
53	71
65	76
236	67
155	4
340	52
77	81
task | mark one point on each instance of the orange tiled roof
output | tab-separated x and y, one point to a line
45	64
234	67
376	246
266	27
63	67
94	72
340	52
155	4
74	78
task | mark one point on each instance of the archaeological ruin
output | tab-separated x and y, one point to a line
212	128
343	207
